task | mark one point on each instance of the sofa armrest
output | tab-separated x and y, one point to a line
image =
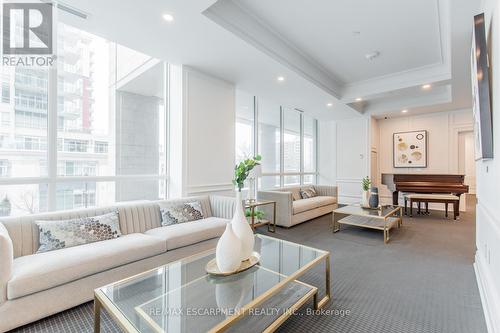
222	207
284	204
326	190
6	261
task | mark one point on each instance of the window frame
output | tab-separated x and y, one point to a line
51	124
282	174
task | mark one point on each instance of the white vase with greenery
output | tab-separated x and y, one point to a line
365	196
240	224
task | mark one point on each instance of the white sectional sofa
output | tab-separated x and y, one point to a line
35	285
291	209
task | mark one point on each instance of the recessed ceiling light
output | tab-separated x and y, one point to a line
329	104
404	111
426	86
168	17
280	78
359	99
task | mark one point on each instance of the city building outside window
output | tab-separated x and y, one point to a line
109	139
285	138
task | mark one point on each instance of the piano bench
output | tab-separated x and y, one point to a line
426	198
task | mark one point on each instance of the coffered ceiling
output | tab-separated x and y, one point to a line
330	53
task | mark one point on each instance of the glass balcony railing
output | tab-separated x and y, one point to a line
27	104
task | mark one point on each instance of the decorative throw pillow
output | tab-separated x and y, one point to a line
296	194
180	213
60	234
307	193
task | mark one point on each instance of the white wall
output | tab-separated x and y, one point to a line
204	127
209	106
352	158
487	262
443	129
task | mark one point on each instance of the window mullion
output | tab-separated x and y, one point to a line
301	181
52	135
255	127
282	146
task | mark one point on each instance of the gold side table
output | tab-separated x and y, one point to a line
255	204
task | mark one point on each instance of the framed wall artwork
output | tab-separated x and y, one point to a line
410	149
481	101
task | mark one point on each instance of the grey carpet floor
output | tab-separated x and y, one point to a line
422	281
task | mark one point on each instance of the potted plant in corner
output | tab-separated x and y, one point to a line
365	196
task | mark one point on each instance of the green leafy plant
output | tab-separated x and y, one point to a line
258	214
242	170
366	183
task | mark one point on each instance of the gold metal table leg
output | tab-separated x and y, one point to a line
97	315
252	214
328	295
274	220
336	225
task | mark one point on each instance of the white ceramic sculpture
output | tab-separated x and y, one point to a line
228	251
242	229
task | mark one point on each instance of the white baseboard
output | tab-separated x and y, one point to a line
487	267
490	307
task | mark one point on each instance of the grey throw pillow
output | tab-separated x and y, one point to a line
61	234
180	213
308	193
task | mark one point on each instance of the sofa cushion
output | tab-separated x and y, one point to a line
184	234
59	234
42	271
303	205
180	212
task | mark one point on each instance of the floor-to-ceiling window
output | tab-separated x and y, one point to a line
309	149
291	146
284	137
102	140
269	142
245	119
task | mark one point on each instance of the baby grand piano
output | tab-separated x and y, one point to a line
418	183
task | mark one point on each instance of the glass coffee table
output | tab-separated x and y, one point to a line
182	297
384	218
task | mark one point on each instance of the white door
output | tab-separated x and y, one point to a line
466	163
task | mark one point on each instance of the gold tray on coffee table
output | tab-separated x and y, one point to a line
212	268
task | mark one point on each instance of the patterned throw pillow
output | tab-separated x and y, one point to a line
60	234
180	213
307	193
296	194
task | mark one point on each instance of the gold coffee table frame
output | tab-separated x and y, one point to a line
101	300
380	219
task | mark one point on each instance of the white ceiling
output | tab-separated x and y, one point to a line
149	82
251	42
338	34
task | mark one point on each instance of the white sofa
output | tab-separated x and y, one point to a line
33	286
291	209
